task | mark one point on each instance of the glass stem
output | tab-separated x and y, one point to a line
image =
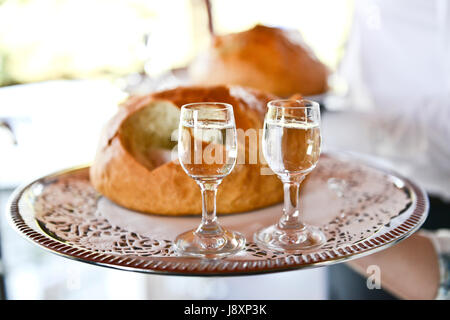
209	224
291	218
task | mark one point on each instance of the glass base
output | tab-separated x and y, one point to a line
291	241
212	246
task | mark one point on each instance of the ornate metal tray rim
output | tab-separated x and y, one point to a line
207	267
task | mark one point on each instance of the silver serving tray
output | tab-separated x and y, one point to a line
362	209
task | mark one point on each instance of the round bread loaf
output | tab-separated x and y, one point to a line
269	59
133	165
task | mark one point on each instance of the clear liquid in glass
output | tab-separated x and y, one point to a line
291	147
207	149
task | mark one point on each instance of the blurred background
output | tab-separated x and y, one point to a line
67	39
65	65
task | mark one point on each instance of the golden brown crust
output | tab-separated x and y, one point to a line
167	189
269	59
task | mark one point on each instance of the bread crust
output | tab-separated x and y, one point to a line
167	189
269	59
